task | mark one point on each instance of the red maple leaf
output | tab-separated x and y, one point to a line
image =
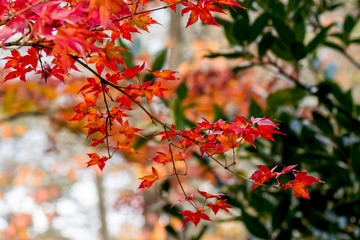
301	181
208	195
194	217
118	113
131	72
96	142
286	170
124	31
262	175
166	134
93	85
201	11
96	160
219	204
149	179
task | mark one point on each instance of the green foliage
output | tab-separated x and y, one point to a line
327	145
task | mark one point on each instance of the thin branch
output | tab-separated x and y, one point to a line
175	169
149	11
351	59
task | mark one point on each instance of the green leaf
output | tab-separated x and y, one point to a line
241	30
339	36
259	201
281	212
336	5
182	91
234	202
323	123
292	5
282	50
298	50
159	60
343	120
241	68
349	24
357	40
173	211
334	46
255	109
259	24
128	55
243	54
223	22
171	231
319	38
219	113
277	9
166	185
254	226
284	32
283	97
179	117
300	30
344	100
265	43
141	141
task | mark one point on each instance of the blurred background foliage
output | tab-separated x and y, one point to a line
318	112
294	61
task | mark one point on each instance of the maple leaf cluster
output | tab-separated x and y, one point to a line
63	35
298	184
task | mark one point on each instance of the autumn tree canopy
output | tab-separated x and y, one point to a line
52	41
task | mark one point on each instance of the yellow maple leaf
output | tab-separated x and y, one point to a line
142	22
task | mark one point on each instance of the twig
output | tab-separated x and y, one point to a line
352	60
175	169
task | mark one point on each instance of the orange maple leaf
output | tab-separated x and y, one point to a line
125	147
164	158
108	56
106	7
165	74
229	141
142	22
149	179
169	2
